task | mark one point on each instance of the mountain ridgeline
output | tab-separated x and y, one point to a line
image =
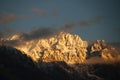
60	57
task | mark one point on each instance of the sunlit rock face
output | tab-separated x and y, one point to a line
110	53
62	47
105	51
98	45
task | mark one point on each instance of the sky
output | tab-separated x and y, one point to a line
90	19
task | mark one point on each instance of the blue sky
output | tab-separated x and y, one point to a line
92	19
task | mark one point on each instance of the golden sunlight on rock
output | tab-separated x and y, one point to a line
110	54
62	47
15	37
105	51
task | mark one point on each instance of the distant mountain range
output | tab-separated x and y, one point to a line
60	57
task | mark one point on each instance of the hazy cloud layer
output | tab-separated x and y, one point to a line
44	32
68	27
92	20
36	34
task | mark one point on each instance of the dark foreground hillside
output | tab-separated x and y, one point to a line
15	65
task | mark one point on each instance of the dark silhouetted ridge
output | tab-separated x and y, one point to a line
15	65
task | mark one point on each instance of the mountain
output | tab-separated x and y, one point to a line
61	47
65	47
60	57
104	50
15	65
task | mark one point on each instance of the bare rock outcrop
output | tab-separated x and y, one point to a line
110	53
61	47
98	45
104	50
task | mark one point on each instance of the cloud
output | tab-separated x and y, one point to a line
41	12
92	20
35	34
68	27
38	33
11	42
1	35
99	18
44	32
84	23
31	35
7	18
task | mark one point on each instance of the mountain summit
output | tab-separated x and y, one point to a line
61	47
60	57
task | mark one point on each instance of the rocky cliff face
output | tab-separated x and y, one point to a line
98	45
59	57
104	50
62	47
